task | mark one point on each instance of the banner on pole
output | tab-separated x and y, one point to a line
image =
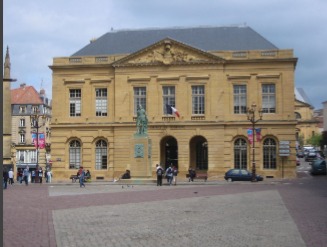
250	136
40	140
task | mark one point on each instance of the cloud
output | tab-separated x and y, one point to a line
38	30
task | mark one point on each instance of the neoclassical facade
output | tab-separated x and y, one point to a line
211	76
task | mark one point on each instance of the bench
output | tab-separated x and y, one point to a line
203	176
75	178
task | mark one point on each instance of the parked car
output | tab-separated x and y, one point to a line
240	175
311	156
318	167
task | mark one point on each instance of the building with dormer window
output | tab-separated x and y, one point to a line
195	85
25	102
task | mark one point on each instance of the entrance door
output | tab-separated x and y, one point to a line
199	153
169	152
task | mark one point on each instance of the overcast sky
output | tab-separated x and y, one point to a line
36	31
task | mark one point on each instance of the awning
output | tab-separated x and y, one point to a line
23	165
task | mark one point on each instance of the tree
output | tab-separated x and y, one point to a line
315	140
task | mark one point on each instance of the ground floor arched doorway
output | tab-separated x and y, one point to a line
199	153
169	152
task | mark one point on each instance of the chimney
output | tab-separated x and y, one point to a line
23	85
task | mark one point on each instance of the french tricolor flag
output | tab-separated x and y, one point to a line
172	110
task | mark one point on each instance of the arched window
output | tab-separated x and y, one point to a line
74	154
240	154
101	155
269	154
297	115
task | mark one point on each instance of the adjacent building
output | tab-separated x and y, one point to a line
195	85
30	128
307	123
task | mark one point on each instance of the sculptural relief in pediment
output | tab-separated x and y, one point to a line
169	53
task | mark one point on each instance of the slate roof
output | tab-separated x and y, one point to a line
302	96
203	38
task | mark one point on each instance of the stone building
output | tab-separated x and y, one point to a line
307	125
27	103
210	75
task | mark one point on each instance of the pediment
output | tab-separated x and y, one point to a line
168	52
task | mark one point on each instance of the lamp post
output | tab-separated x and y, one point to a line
251	114
35	123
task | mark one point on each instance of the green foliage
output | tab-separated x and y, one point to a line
315	140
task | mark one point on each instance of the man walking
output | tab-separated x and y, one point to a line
159	175
26	174
81	174
11	176
5	178
169	174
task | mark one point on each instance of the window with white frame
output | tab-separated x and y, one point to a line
101	155
268	98
101	102
74	154
35	109
198	107
22	109
239	99
240	154
168	97
269	153
75	102
139	98
22	138
22	122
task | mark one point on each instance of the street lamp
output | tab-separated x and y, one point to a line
35	123
251	114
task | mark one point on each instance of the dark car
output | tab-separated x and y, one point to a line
311	156
240	175
318	167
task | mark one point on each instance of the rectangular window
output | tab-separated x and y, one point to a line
75	102
22	122
22	109
198	100
239	99
268	98
139	98
35	109
168	95
22	138
101	102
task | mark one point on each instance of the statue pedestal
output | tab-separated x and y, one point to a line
140	164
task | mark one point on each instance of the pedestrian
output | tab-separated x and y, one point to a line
5	178
81	174
40	174
175	172
49	176
33	176
20	175
11	176
169	174
160	173
191	174
26	174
